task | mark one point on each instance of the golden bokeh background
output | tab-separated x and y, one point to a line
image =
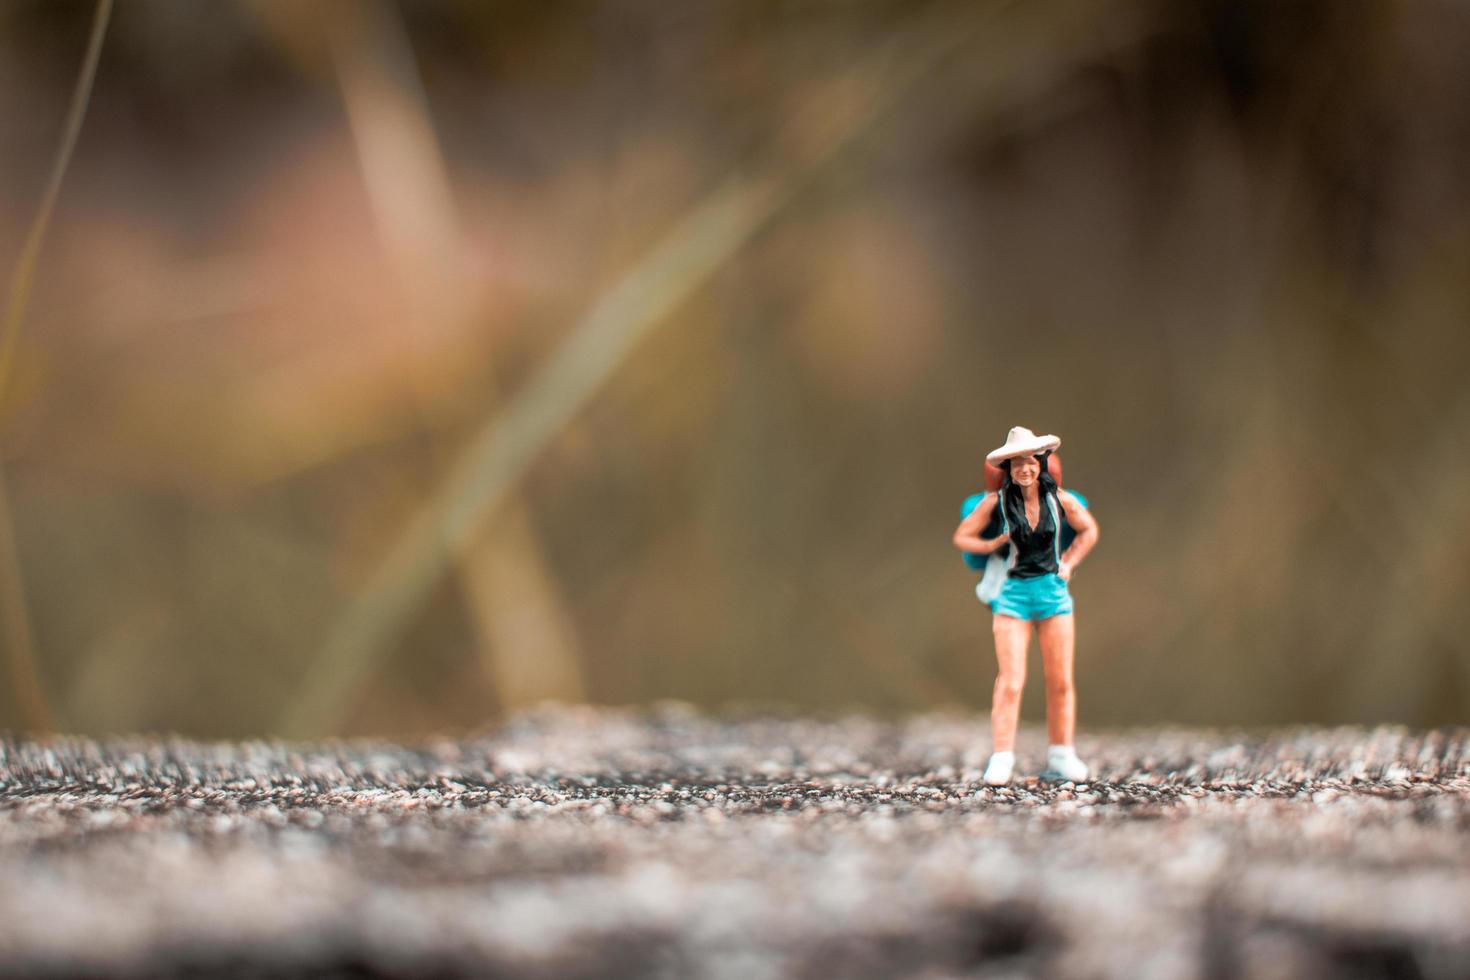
388	367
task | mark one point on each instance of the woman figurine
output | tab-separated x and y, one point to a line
1036	574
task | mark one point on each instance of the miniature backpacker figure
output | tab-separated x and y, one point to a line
1030	535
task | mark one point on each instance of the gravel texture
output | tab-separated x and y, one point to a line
596	843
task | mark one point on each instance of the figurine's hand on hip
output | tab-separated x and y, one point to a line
1064	571
998	542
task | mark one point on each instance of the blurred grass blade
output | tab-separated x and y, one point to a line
398	151
504	448
25	267
20	653
526	640
687	256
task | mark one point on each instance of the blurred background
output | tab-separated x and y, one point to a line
389	367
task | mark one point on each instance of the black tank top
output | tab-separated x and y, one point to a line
1036	550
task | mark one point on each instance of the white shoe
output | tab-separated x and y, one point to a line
998	771
1063	765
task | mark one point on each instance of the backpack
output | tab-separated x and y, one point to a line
992	530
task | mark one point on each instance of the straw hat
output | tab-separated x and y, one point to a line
1021	441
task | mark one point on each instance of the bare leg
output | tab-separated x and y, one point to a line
1058	640
1012	637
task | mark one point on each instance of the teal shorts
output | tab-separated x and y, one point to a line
1033	599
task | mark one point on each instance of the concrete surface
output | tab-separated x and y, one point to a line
596	843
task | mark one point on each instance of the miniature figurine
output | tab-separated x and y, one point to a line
1026	575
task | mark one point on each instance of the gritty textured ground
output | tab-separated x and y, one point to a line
588	843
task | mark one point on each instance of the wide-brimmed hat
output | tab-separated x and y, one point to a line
1021	441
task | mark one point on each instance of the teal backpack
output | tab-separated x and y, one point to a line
992	530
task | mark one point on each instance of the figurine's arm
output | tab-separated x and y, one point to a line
1085	525
967	535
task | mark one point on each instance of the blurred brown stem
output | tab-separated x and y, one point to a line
19	652
526	638
25	267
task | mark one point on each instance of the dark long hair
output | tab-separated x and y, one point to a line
1014	502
